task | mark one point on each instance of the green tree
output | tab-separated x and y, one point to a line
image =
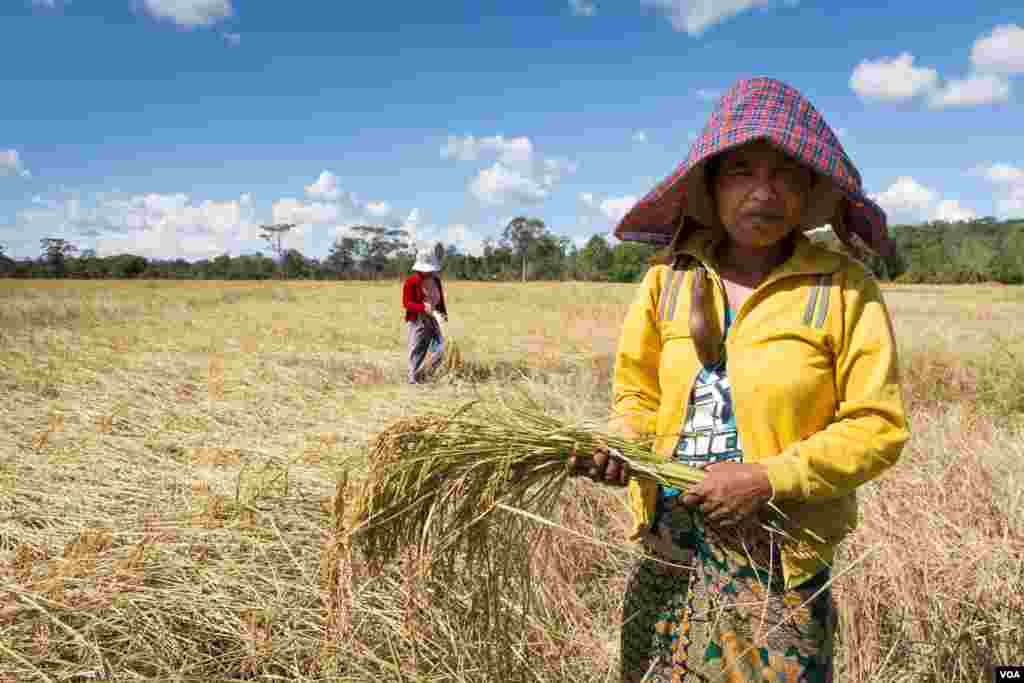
975	255
341	260
7	264
1008	265
56	251
547	257
595	258
630	261
520	235
127	265
222	266
295	265
274	236
251	267
379	245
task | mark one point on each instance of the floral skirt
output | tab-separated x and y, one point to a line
713	607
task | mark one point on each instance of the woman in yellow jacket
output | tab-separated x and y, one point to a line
768	361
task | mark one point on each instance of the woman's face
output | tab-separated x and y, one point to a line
761	194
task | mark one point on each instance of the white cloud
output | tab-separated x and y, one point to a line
911	201
155	225
233	39
460	149
152	225
583	8
1013	206
561	166
949	210
344	230
993	58
1002	174
1002	51
640	136
422	234
1010	183
617	207
519	173
971	91
500	184
892	79
613	208
906	194
190	13
296	211
695	16
379	209
464	239
510	151
554	169
325	187
11	165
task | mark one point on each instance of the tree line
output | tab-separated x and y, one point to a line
940	252
981	250
525	250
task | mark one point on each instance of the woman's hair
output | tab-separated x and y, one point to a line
711	168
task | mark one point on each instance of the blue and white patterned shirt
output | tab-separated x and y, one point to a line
709	431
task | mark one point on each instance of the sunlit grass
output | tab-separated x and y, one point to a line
168	461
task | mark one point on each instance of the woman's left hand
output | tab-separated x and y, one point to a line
731	492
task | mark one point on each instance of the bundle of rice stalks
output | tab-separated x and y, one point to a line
461	495
444	359
451	363
438	484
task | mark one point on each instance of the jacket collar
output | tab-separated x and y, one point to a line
807	258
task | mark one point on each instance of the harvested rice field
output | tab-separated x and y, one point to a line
170	456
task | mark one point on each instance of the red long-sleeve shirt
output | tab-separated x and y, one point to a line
413	297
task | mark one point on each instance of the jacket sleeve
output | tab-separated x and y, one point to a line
636	387
409	296
870	425
440	304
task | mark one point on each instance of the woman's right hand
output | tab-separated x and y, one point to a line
428	307
605	466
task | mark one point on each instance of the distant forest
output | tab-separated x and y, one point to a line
983	250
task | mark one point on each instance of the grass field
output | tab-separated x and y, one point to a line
169	451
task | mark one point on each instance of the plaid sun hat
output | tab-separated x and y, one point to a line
752	109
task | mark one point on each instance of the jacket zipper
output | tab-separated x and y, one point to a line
726	343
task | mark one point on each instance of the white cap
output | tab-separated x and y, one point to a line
426	261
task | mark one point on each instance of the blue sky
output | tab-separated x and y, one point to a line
174	128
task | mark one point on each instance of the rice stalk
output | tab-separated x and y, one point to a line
443	485
433	480
451	365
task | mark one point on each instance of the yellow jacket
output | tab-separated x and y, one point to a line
815	385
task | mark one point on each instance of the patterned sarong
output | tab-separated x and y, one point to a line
726	615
